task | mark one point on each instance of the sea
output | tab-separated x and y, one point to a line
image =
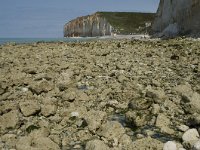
34	40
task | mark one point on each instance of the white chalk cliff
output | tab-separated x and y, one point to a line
175	17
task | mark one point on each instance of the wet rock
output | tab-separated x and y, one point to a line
9	120
170	145
29	107
96	145
163	122
111	130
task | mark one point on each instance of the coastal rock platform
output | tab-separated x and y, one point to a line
110	94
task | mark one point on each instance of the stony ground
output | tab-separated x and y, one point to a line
100	95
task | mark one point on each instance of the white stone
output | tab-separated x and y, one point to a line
170	145
196	146
183	128
190	135
74	114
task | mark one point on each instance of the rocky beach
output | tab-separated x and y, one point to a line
100	95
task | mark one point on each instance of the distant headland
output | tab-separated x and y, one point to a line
109	23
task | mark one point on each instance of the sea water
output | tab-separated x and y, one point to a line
33	40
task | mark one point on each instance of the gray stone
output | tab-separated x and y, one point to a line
29	107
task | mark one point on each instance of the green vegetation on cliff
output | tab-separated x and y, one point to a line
128	22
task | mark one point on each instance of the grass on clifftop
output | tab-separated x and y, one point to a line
128	22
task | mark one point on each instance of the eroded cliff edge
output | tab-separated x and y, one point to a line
108	23
91	25
177	17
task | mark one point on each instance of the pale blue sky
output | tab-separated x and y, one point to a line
46	18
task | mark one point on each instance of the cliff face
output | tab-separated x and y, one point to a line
106	23
178	17
92	25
